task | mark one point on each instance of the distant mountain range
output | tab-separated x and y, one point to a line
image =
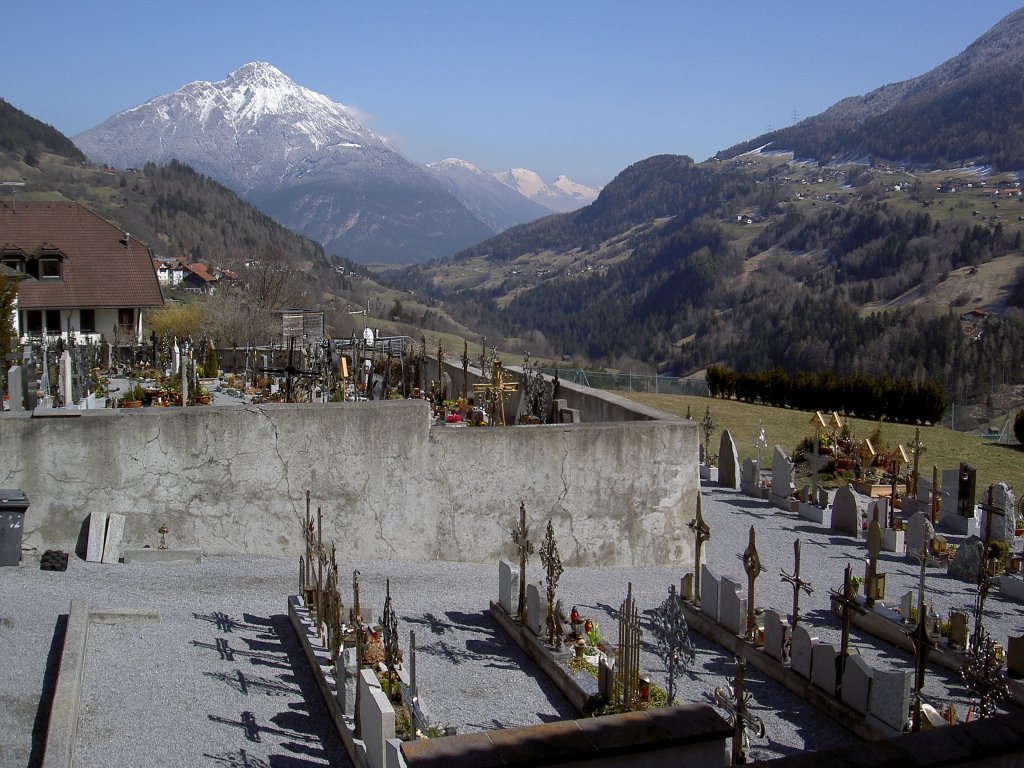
562	195
309	163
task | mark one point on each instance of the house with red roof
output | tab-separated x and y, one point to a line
83	275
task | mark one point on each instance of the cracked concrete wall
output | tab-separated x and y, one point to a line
233	479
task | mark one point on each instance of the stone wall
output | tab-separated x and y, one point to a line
232	480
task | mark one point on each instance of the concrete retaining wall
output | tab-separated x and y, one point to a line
232	480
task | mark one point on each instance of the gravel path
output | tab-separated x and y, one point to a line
220	680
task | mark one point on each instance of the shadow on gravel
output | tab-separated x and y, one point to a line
42	721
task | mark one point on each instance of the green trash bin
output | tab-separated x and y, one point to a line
13	503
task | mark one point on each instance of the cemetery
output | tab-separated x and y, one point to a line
647	605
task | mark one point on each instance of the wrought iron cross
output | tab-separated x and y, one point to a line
816	462
983	674
701	533
752	567
465	369
389	629
735	701
874	549
498	388
916	449
797	583
553	565
521	537
847	599
672	635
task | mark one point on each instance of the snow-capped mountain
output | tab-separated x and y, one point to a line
300	157
562	195
496	204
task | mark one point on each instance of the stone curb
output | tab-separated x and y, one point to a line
63	725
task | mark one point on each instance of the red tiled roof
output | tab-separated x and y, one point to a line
200	271
99	269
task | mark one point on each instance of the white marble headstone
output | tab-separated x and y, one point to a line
508	585
800	652
846	512
823	667
536	609
856	686
97	536
710	589
728	462
774	634
889	700
732	607
115	533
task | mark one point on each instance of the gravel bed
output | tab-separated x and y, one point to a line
168	694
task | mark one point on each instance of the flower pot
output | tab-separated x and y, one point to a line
131	403
203	400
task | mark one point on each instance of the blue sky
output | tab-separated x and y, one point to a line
576	88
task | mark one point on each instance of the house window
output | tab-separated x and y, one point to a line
49	269
87	320
53	321
126	316
14	262
34	322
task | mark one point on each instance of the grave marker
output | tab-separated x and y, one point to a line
752	567
728	461
508	582
521	537
889	698
782	479
710	592
847	600
627	661
553	566
775	631
801	652
735	701
701	533
97	537
824	669
797	583
672	635
112	540
732	608
534	608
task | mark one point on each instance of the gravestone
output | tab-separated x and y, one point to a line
1003	519
112	541
15	389
856	687
508	584
823	667
606	677
919	528
774	634
823	498
968	561
889	700
783	474
97	536
710	590
845	512
728	461
376	718
906	605
801	652
750	477
349	677
67	396
950	486
894	541
536	608
958	629
732	607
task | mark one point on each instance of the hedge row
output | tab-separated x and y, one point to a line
896	400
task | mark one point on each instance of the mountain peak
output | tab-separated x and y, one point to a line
562	195
258	72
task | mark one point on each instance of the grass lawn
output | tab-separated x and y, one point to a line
787	428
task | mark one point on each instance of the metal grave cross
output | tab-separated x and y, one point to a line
874	549
290	371
553	565
672	635
983	673
389	628
752	567
521	537
627	665
797	583
990	510
498	388
701	533
736	701
847	599
916	449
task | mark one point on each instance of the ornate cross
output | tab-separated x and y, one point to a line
498	388
701	533
983	673
848	600
874	549
916	449
521	537
761	444
797	583
553	565
356	615
735	701
389	629
752	567
672	634
627	664
465	369
935	493
990	510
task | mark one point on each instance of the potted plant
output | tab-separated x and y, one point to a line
132	396
203	395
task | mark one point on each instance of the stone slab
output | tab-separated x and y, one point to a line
856	687
846	512
115	534
97	535
889	700
801	648
732	607
814	514
775	629
508	585
728	462
823	667
536	610
710	592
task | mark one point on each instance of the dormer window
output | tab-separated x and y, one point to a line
13	258
49	269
